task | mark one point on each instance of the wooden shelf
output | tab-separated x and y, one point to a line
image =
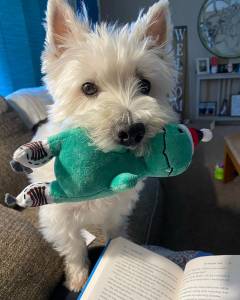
217	87
219	118
218	76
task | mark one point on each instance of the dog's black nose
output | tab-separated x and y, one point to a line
132	136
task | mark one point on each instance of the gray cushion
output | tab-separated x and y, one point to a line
29	267
13	133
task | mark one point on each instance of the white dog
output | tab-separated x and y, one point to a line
115	82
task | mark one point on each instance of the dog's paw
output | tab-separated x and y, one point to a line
76	277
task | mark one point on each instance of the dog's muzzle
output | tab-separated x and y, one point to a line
131	135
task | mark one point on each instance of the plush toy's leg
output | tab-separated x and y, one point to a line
35	194
33	154
123	182
19	168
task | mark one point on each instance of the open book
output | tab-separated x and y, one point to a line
127	271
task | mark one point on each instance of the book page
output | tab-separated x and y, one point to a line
129	272
211	278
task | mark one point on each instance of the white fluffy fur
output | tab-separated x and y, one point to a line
115	59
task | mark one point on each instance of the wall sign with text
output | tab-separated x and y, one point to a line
180	50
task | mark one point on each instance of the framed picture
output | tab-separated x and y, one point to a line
235	105
236	68
222	68
203	66
207	108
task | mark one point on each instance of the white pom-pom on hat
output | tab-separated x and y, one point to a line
207	135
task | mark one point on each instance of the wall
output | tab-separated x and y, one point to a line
91	5
21	43
184	12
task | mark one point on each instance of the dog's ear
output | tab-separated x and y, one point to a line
63	25
156	23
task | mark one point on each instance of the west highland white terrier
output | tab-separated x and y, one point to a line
114	81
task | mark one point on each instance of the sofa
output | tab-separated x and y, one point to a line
30	269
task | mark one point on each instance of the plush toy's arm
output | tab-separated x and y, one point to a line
31	155
123	182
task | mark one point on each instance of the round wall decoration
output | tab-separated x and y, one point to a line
219	27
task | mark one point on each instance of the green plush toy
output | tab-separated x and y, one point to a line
83	172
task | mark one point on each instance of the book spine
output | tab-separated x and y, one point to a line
202	253
93	271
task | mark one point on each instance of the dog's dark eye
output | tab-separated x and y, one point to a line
144	86
89	88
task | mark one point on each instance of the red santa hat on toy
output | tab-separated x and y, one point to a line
197	135
202	135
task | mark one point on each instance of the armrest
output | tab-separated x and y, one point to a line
13	134
31	104
29	267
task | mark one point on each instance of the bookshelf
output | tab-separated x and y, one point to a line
216	88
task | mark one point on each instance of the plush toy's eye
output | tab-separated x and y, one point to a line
89	88
144	86
180	130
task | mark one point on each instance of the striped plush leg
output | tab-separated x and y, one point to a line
35	194
32	155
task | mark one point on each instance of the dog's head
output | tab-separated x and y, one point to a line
113	81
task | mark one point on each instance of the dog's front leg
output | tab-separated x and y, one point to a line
115	226
116	220
61	227
76	263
